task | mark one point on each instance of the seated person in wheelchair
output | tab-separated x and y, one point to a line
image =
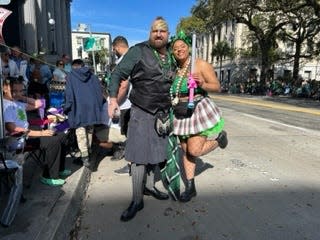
53	145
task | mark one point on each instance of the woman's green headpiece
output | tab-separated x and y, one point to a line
181	36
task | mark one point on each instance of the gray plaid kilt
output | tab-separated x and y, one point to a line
206	115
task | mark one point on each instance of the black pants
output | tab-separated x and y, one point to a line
124	120
54	149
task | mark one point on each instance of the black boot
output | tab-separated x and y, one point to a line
190	191
222	139
154	192
131	211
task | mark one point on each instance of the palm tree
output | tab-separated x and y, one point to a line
221	50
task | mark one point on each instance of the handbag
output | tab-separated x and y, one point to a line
181	110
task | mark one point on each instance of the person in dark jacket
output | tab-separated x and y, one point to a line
86	108
151	71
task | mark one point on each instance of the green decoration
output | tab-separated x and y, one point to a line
181	36
171	172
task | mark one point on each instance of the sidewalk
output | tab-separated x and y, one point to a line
51	212
299	102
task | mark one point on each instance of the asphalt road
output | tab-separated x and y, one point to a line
294	112
263	186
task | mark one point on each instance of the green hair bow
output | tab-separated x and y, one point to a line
181	36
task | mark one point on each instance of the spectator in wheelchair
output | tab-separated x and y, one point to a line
52	144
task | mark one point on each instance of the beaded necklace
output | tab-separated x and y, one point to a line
181	74
164	61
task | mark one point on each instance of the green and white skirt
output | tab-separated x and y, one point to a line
206	120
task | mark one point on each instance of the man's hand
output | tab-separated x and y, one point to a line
113	106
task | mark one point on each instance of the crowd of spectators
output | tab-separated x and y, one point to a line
34	89
301	88
38	81
48	82
26	87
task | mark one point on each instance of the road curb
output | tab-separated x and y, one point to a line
65	210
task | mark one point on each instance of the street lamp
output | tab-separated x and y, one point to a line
52	23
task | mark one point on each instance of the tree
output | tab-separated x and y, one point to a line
301	32
315	4
190	25
100	56
221	50
262	18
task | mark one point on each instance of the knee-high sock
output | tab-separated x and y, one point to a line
137	175
150	176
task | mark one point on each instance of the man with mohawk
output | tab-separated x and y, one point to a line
151	70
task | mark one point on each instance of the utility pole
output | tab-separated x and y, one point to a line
93	53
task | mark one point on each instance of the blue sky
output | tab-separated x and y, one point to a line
131	18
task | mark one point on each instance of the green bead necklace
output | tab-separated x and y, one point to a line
181	73
165	61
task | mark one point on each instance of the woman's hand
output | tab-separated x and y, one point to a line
196	76
47	133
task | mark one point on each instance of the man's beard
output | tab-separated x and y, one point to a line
157	44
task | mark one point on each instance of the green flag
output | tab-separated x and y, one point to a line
88	44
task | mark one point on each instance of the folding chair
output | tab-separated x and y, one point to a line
18	147
17	144
11	179
41	123
35	153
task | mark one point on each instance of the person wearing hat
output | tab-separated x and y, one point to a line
199	126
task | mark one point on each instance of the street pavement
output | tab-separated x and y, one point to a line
283	102
52	212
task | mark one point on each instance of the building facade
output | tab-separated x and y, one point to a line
102	43
239	69
39	26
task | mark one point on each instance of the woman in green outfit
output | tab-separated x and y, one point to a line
199	128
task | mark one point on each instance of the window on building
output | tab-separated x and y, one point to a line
287	74
79	52
307	74
102	42
219	33
226	25
79	40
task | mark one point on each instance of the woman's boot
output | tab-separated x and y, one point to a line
190	191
